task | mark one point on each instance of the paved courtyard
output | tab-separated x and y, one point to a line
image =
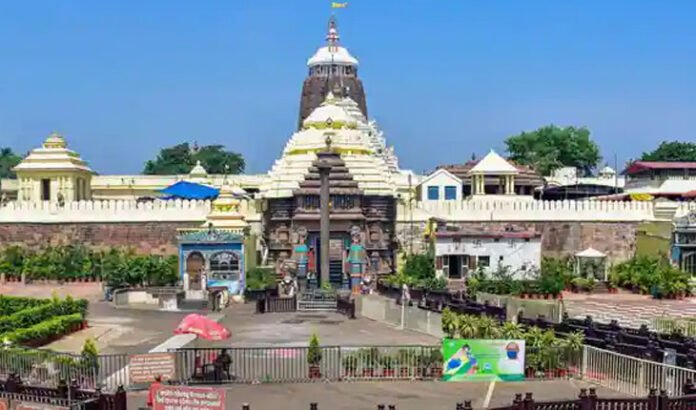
414	395
295	329
627	308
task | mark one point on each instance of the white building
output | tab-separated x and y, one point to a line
461	252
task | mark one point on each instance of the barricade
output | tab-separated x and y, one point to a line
632	375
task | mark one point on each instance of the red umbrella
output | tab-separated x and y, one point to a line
203	327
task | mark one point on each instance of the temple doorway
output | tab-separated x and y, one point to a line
195	263
337	258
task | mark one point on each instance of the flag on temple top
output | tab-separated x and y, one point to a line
335	5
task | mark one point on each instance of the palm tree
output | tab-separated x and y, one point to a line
512	330
449	323
468	326
488	328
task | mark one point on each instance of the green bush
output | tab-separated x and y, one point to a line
35	315
260	278
314	352
651	275
46	330
13	304
118	267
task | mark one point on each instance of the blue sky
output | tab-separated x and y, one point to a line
444	78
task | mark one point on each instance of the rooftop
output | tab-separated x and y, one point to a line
638	166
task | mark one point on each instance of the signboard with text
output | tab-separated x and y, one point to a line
189	398
143	368
482	359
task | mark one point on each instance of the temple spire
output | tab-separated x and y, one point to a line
332	37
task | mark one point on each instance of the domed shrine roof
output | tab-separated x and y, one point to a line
53	155
332	53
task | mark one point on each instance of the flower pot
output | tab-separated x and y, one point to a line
314	372
349	372
547	296
388	372
529	372
403	372
561	372
368	372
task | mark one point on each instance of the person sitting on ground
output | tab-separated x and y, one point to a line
222	365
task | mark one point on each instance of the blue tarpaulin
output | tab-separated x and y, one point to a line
189	190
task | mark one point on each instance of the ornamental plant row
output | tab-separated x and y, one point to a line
34	315
45	331
13	304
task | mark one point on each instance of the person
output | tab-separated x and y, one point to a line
462	362
222	365
511	363
152	391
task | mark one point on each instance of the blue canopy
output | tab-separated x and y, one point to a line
190	190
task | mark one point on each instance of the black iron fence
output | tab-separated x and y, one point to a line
15	394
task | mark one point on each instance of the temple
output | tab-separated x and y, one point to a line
377	210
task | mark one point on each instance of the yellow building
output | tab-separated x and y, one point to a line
53	173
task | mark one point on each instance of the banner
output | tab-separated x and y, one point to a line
484	360
189	398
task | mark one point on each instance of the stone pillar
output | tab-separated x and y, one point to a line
324	229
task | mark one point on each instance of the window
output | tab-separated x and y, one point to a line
450	193
224	265
433	193
484	261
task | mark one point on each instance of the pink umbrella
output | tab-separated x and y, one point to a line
202	327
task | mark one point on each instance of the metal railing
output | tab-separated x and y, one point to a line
668	325
631	375
292	364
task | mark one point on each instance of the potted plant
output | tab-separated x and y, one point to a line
314	358
387	363
350	365
406	359
435	363
370	359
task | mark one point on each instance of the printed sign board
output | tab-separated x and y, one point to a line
482	359
189	398
143	368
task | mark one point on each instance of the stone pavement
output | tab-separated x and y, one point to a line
408	395
295	329
628	309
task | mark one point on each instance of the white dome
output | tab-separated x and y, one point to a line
329	110
328	55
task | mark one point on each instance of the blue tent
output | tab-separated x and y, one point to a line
189	190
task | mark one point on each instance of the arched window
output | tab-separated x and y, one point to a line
224	265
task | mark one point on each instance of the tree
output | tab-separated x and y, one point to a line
179	159
672	151
552	147
8	160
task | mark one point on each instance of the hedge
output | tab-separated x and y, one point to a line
117	266
44	331
35	315
14	304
